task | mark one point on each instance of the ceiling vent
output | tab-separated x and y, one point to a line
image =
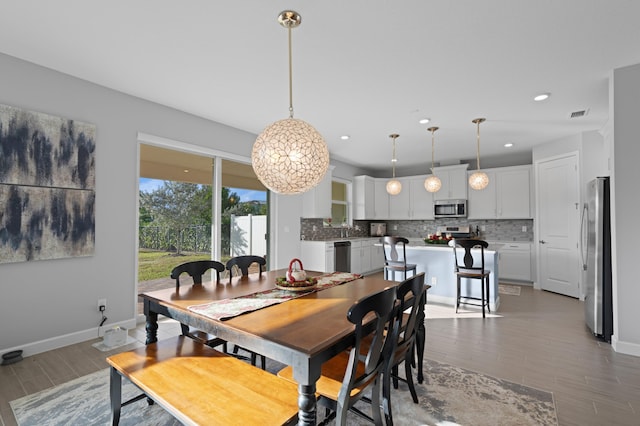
578	114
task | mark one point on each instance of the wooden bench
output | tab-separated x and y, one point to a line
201	386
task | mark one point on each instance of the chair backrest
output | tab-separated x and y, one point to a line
372	361
196	270
394	249
466	264
243	263
409	294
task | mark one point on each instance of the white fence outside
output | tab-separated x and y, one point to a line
248	235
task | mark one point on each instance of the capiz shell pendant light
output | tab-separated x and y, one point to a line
290	156
478	180
394	186
432	183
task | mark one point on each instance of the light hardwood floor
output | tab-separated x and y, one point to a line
538	339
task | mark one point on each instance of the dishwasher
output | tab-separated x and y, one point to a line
342	256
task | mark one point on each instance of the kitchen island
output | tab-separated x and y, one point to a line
437	262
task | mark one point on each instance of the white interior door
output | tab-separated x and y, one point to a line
558	225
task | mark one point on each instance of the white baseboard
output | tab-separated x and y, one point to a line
625	347
68	339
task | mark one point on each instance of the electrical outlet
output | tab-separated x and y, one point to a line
483	228
424	227
434	281
395	227
524	228
102	302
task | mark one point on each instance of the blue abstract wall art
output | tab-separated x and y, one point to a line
47	186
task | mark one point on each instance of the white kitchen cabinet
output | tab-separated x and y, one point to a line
482	204
380	199
513	193
371	200
363	194
317	255
413	202
316	202
515	261
400	204
421	200
508	195
377	256
361	256
356	257
454	182
320	256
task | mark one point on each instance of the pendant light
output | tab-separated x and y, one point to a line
394	186
478	180
432	183
290	156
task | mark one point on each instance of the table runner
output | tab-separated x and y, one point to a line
228	308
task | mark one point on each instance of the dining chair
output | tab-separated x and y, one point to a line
467	267
243	263
409	294
346	377
395	257
196	270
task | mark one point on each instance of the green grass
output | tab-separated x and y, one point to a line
158	264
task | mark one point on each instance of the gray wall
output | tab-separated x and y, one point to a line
625	110
46	304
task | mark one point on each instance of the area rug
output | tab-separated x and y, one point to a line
450	396
512	290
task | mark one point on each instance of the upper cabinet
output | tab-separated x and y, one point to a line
371	200
380	199
508	195
316	202
363	193
399	205
454	182
416	204
421	200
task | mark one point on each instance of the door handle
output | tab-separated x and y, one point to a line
542	242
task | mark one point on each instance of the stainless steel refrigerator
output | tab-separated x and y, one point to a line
596	257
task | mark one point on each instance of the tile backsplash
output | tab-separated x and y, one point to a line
494	230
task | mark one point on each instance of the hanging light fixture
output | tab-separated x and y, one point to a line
394	186
478	180
290	156
432	183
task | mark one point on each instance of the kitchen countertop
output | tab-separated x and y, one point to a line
337	239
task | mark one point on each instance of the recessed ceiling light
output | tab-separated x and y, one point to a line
345	137
542	97
186	170
424	120
508	145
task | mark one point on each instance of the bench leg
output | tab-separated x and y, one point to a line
115	391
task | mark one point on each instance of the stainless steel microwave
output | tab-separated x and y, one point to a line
450	208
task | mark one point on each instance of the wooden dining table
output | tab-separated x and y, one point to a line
303	332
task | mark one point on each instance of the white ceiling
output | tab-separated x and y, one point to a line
366	68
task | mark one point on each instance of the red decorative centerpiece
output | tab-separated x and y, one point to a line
296	278
294	273
438	239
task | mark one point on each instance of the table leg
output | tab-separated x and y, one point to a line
151	327
306	405
115	391
421	336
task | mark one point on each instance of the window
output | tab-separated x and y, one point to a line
340	202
